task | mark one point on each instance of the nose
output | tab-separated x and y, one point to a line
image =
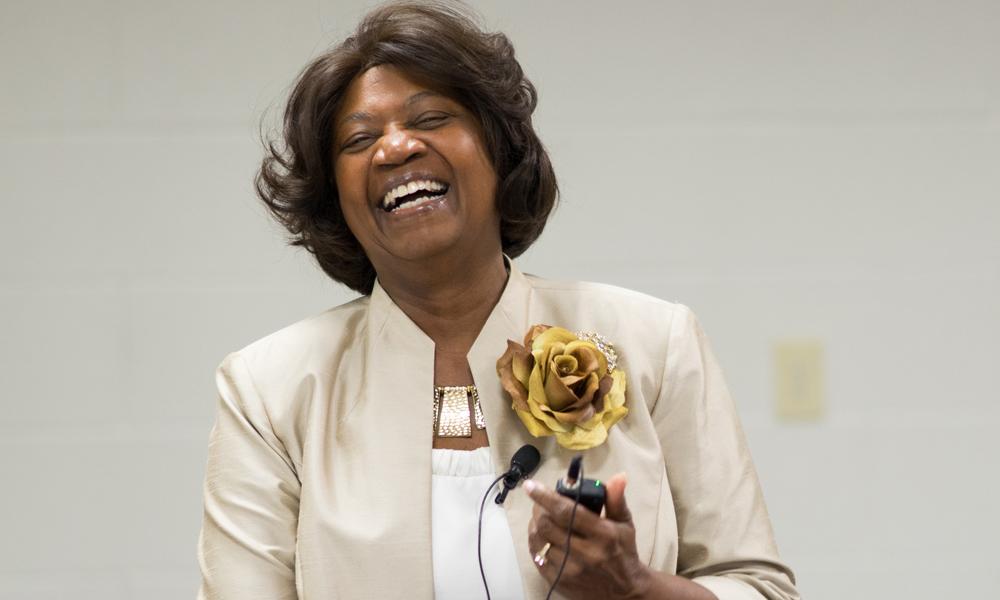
397	147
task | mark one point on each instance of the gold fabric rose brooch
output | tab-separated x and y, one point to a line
564	384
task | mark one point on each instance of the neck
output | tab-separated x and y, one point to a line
448	298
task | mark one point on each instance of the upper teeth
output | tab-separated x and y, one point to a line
408	188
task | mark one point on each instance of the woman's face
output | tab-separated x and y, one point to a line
414	177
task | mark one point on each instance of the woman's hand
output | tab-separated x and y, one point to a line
603	562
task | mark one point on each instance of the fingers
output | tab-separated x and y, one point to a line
601	552
615	507
589	551
560	510
549	555
545	529
553	560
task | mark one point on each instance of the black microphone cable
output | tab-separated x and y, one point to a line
569	534
524	461
479	535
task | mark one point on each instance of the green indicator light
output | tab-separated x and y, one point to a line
598	483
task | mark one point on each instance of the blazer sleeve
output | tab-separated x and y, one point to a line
247	544
725	539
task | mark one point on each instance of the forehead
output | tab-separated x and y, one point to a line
381	89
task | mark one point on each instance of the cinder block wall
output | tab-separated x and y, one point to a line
821	169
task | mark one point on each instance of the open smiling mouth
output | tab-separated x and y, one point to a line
413	194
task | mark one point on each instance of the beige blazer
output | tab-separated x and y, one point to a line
318	482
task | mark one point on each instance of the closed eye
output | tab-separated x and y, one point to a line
431	120
357	142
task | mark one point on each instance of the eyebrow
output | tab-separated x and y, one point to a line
420	96
357	116
367	116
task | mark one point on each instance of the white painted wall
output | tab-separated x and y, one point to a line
787	168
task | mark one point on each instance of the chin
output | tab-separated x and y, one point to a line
441	234
424	245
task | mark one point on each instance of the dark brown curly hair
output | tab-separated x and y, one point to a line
437	42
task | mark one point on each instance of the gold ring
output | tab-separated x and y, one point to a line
540	557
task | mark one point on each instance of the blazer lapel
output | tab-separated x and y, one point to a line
400	375
397	418
510	320
516	311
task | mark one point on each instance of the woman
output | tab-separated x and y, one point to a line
352	448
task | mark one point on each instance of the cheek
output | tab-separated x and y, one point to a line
478	164
351	185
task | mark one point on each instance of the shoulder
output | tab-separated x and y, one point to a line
621	307
273	381
310	345
642	327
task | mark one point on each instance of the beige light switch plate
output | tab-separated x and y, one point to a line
799	380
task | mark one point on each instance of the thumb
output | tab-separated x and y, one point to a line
615	507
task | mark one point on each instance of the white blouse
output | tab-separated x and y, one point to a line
459	480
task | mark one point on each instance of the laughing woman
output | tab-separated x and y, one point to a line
351	449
